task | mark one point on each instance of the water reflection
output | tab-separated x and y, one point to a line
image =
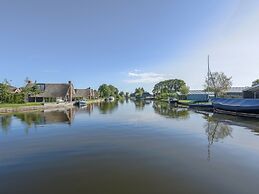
168	110
38	118
108	107
216	130
6	122
140	104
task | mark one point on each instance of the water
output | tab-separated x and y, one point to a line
129	148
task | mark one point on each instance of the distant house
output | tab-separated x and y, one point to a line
199	95
87	93
13	89
50	92
147	95
235	92
252	92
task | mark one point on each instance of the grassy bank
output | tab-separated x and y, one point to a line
20	105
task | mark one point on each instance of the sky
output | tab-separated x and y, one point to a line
128	43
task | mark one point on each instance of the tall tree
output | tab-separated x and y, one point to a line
218	83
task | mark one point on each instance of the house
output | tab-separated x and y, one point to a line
251	92
13	89
87	93
50	92
199	95
235	92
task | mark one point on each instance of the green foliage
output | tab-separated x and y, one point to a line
256	82
139	92
184	90
218	83
170	88
106	91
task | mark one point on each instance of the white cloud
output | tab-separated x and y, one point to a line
146	77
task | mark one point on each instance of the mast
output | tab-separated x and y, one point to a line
208	73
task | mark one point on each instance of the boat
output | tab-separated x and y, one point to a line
236	105
173	100
81	103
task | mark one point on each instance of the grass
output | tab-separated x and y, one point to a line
6	105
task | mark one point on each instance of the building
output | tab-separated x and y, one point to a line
235	92
252	92
87	93
13	89
50	92
199	95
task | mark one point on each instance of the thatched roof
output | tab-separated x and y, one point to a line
85	93
53	90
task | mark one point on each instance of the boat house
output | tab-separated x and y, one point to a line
252	92
235	92
50	92
199	95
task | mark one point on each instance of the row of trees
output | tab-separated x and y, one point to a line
7	95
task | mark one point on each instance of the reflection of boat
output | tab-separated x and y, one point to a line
110	99
236	105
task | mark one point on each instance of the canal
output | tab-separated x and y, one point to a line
128	148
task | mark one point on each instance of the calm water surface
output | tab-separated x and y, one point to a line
128	148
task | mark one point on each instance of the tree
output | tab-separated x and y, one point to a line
256	82
167	88
31	90
139	92
218	83
5	94
184	90
106	91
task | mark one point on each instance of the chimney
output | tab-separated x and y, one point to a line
70	91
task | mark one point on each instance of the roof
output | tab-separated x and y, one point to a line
82	92
53	90
12	89
236	89
199	92
253	88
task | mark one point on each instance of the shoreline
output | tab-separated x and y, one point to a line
44	106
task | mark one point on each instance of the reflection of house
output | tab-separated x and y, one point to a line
252	92
199	95
234	92
87	93
53	92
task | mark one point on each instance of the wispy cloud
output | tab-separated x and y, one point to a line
146	77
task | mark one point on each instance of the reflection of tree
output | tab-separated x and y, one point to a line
139	104
6	121
30	118
168	110
215	130
108	107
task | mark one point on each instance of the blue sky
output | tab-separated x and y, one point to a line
128	43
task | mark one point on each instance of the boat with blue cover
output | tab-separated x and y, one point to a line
236	105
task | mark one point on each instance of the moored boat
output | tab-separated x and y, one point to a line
236	105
